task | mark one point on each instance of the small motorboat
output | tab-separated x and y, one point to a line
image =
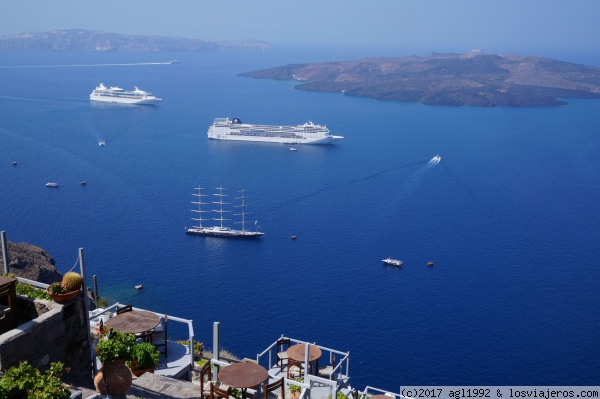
139	287
293	237
392	262
101	143
83	183
14	163
430	263
292	148
51	184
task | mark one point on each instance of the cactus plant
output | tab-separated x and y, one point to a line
56	288
72	281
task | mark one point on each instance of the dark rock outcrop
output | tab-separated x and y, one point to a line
477	79
31	262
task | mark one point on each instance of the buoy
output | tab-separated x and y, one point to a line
293	237
430	263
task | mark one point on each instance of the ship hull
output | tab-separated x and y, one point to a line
221	232
234	130
122	100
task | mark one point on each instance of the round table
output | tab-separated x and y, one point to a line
135	322
298	352
243	375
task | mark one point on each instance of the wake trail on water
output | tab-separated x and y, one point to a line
83	65
425	166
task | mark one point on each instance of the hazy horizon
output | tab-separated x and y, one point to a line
539	27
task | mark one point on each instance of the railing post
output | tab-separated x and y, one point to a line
216	344
85	309
4	252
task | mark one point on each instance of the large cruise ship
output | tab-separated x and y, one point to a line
117	95
308	133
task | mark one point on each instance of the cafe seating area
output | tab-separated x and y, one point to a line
176	360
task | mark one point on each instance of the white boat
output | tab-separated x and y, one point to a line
101	143
392	262
292	149
436	159
234	129
51	184
221	230
116	94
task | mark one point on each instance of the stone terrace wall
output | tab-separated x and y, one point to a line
59	333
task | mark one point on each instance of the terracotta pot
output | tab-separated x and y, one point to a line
62	298
139	372
116	375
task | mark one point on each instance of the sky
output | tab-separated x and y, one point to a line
527	27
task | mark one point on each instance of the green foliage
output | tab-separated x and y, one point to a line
113	345
296	388
198	348
56	288
143	356
341	395
26	382
32	292
72	281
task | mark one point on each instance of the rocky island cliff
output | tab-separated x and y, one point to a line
87	40
31	262
476	79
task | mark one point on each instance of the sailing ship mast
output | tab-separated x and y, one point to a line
199	210
243	214
220	211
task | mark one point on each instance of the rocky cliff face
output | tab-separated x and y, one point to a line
31	262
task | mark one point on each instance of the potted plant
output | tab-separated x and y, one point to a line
113	349
144	358
295	389
67	289
25	381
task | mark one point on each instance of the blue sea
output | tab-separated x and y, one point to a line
509	216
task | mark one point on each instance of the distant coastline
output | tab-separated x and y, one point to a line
98	41
476	79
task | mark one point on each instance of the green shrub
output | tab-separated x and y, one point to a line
27	382
113	345
143	356
32	292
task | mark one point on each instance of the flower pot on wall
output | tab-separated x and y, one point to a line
114	375
62	298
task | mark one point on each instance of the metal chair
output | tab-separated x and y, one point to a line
159	337
269	388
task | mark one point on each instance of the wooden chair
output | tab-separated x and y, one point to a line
145	336
159	337
216	392
281	347
295	369
272	387
327	372
205	380
123	309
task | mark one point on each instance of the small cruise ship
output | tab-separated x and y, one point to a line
115	94
234	129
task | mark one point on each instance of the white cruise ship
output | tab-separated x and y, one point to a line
117	95
308	133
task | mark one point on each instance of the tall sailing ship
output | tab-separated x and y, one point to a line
221	230
115	94
234	129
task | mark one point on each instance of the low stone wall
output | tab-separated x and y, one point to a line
59	333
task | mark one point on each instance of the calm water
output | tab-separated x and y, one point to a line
509	216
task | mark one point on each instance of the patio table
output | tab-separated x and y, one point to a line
134	322
243	376
298	352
